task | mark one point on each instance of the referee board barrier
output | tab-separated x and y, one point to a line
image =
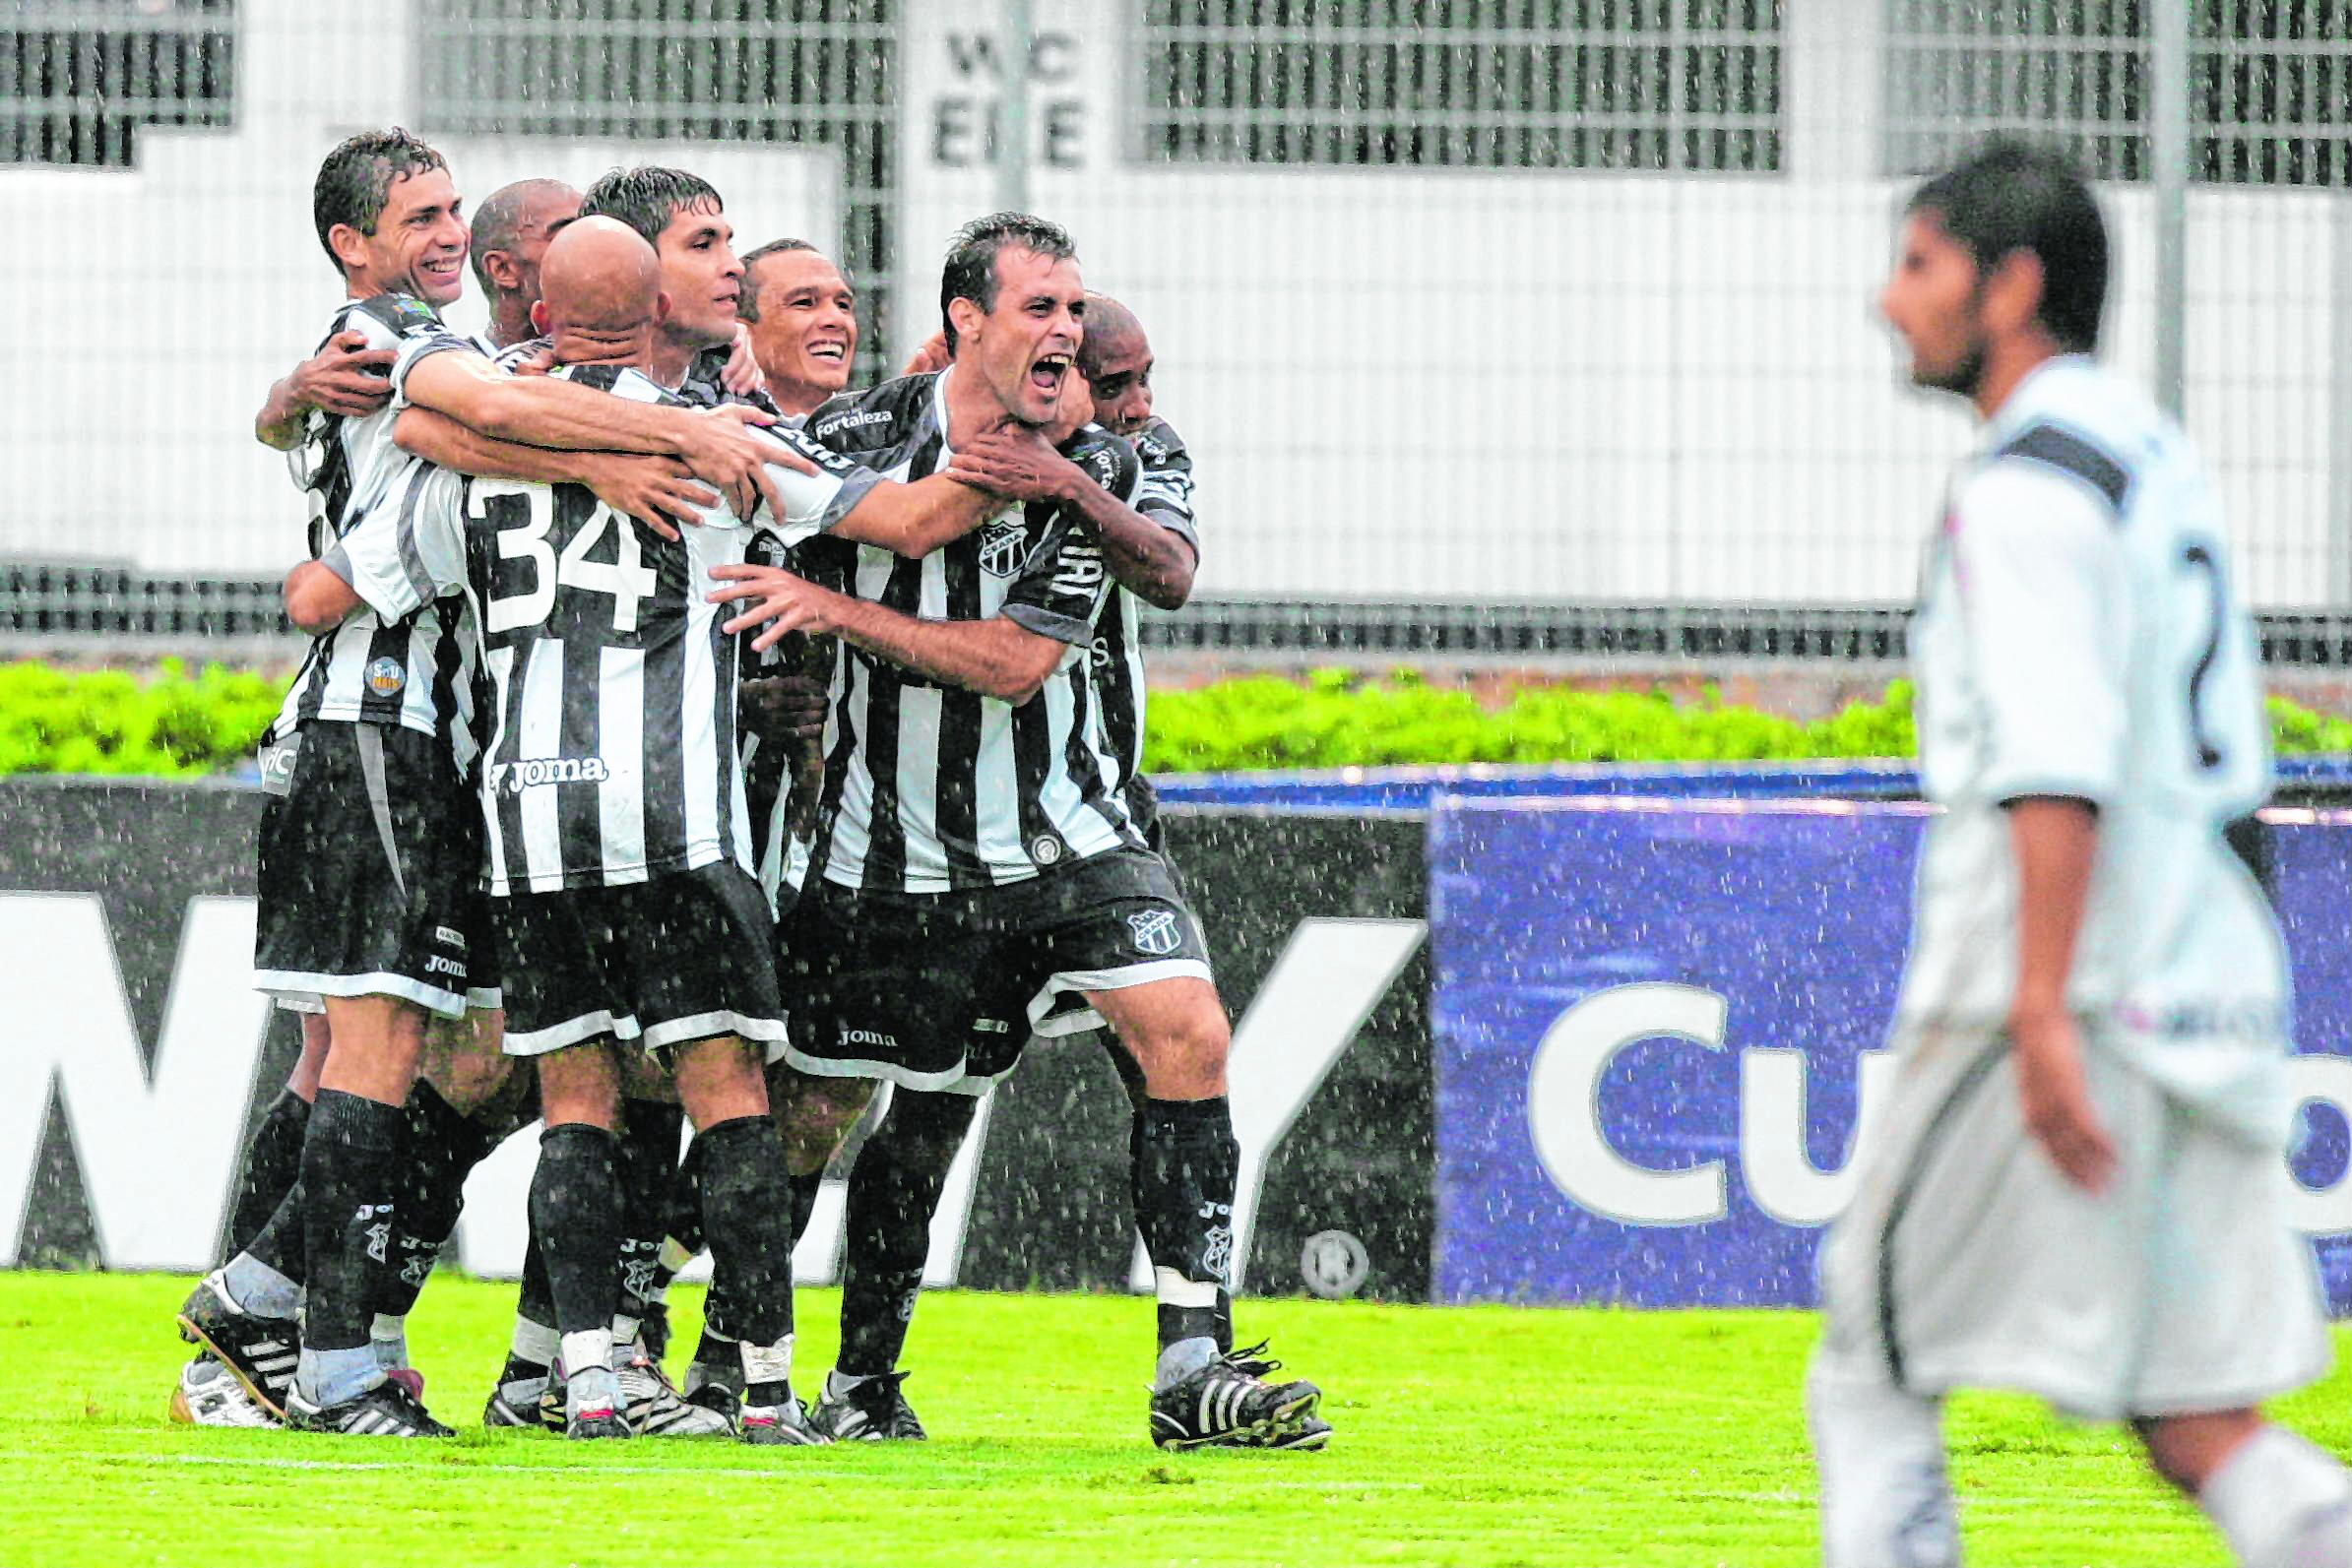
1531	1047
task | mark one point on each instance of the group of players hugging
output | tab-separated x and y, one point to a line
722	745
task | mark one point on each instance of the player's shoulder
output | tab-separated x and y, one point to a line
2075	426
516	354
1109	460
705	384
1158	446
390	319
879	419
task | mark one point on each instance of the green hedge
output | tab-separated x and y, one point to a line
170	722
164	724
1339	720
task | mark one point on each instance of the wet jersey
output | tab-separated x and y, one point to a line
2079	635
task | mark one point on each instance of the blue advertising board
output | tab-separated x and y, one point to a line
1655	1022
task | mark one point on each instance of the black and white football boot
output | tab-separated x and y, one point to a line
261	1354
778	1426
873	1409
1225	1401
389	1410
653	1404
208	1394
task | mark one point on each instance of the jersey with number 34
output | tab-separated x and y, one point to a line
2079	635
609	746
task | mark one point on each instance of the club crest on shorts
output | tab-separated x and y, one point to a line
386	676
1156	931
1002	543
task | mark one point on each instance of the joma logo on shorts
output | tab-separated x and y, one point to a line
516	776
435	964
869	1036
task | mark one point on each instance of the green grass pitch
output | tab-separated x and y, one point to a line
1481	1435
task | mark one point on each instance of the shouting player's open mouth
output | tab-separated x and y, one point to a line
1046	375
832	350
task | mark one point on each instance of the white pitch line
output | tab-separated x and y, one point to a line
588	1473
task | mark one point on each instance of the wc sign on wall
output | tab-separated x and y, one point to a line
1658	1028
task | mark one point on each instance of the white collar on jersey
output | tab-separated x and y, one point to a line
2030	400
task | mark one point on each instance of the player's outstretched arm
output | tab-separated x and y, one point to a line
721	447
995	658
1153	562
914	519
2054	840
656	491
345	377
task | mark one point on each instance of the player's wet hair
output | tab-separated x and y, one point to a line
971	271
647	198
748	307
2012	196
355	179
498	223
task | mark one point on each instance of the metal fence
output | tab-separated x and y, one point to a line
79	78
1457	301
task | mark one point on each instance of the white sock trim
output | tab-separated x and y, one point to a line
535	1343
768	1363
1174	1291
588	1349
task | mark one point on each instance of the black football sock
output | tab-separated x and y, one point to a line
272	1165
1188	1163
536	1339
575	1212
894	1190
649	1164
721	1309
444	1147
746	1211
352	1169
804	1201
281	1244
351	1179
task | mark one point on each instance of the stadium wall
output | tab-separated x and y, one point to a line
1398	382
1500	1049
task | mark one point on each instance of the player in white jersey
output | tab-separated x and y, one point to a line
2078	1188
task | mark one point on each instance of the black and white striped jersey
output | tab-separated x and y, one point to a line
608	748
1164	495
929	787
404	671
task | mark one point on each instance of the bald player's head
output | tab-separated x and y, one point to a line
601	291
1115	359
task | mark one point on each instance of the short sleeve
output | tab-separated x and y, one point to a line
409	327
814	503
409	550
2040	571
1164	493
1059	590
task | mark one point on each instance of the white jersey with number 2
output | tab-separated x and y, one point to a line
2079	635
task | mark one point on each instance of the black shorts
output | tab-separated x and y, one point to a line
942	990
370	875
681	958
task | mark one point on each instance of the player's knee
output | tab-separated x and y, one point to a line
469	1077
1188	1060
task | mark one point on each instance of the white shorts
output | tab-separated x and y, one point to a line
1967	1261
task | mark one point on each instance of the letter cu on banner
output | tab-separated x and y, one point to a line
1656	1057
